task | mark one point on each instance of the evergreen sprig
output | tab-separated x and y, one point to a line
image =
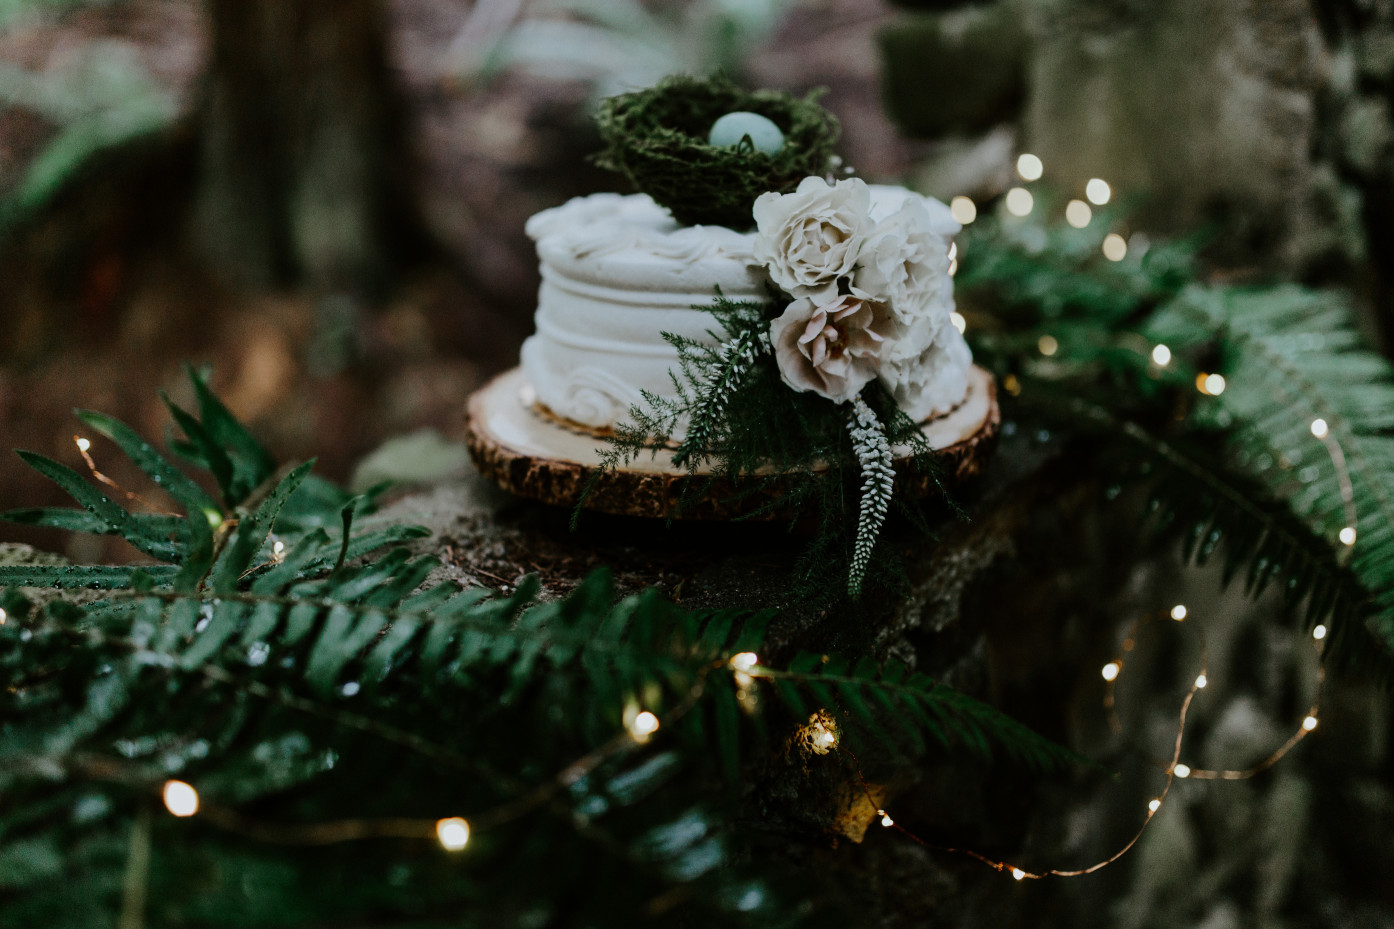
724	369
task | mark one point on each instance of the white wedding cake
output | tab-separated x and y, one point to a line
619	271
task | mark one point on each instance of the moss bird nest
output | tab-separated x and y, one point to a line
658	139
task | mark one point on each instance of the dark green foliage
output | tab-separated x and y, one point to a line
1238	474
309	691
657	138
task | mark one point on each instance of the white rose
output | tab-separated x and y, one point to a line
811	237
905	262
887	199
830	345
933	382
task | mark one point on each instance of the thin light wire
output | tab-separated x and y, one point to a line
99	476
1209	774
1000	865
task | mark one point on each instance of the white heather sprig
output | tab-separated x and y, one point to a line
873	451
734	360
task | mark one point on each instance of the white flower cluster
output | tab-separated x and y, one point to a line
869	273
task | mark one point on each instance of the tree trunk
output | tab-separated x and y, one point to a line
302	162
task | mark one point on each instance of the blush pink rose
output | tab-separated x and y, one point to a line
832	347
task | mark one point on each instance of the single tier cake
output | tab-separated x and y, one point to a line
619	271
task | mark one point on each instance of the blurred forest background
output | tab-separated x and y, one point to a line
324	199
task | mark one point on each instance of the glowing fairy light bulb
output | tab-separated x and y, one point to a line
1319	632
1110	671
83	444
819	735
1182	770
1161	355
643	725
1154	806
1048	345
1319	428
1078	214
1212	385
963	209
1020	201
3	616
1029	167
1347	535
886	818
1115	247
1201	681
744	661
278	550
959	322
1178	612
1098	191
1018	873
180	798
453	833
1309	723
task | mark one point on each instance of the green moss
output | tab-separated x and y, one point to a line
658	139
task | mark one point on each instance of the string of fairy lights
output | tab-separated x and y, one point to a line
182	800
1173	768
819	735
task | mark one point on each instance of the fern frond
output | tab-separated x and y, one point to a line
1276	496
1213	511
267	681
1292	357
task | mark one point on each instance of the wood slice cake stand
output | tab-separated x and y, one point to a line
532	454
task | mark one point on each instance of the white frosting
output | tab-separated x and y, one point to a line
618	272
